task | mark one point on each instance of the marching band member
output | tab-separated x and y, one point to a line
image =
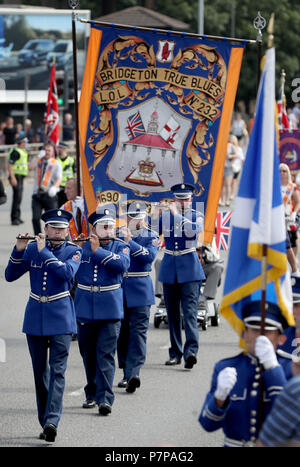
99	307
50	316
233	400
138	295
181	273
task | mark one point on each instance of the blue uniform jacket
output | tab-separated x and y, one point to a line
180	233
51	272
138	291
239	417
105	268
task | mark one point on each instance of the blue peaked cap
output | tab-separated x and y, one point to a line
274	318
103	215
183	190
58	218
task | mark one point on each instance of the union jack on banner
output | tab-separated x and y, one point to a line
51	118
135	126
222	229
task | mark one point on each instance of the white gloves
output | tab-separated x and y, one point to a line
265	352
79	203
52	191
41	154
225	382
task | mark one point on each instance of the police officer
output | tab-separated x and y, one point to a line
50	316
138	295
68	171
233	400
181	273
99	307
18	170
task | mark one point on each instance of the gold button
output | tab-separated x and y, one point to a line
254	385
253	429
253	439
253	413
95	280
253	393
253	421
44	288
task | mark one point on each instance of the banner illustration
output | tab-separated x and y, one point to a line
156	112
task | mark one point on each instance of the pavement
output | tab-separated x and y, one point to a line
162	412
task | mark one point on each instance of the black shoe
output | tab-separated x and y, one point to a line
20	221
190	361
50	433
122	383
133	383
173	361
42	436
15	222
104	409
88	404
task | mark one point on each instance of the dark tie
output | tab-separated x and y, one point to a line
78	220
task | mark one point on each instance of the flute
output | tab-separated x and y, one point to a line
53	239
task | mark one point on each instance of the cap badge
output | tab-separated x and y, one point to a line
59	213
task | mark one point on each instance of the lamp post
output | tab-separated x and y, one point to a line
200	17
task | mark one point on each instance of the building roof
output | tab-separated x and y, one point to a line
144	17
152	140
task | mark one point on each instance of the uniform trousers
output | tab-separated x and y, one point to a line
40	202
15	213
132	342
49	374
97	342
187	294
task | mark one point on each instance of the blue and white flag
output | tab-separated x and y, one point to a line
258	217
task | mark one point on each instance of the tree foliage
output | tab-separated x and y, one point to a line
227	18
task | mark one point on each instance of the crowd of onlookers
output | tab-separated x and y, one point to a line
10	130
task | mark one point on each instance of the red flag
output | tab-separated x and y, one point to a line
283	121
51	116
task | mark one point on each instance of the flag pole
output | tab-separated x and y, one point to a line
259	24
74	4
265	247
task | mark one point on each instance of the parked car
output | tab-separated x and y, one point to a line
35	51
63	53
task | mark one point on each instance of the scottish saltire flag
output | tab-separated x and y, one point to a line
182	88
258	217
223	229
135	126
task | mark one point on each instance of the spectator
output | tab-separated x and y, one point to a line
291	201
68	128
2	137
47	179
239	127
29	131
237	164
228	174
20	131
9	131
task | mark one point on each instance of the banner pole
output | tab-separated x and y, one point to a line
164	31
74	4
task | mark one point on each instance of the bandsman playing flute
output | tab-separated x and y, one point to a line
138	295
50	316
99	307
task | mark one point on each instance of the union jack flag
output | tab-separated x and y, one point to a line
222	229
135	126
